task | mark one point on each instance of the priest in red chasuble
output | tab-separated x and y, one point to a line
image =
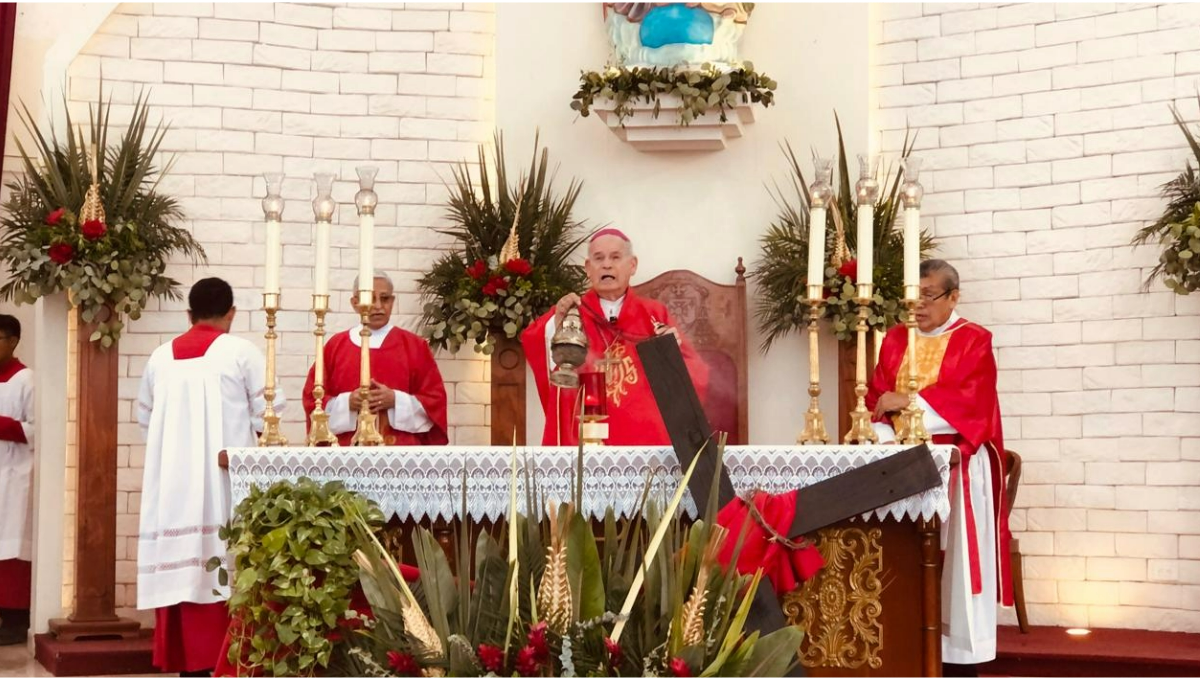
200	393
406	387
956	382
16	486
615	320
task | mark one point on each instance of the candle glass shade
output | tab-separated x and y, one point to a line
911	191
272	204
324	205
820	192
366	199
866	190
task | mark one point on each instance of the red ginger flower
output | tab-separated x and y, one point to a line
495	285
519	266
54	217
492	658
62	253
537	640
404	665
679	668
478	270
527	662
93	229
615	655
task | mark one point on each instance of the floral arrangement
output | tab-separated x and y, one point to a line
559	605
92	223
1178	230
511	260
782	270
698	89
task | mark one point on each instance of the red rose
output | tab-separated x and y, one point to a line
93	229
849	269
404	664
615	656
62	253
495	285
478	270
53	218
679	668
492	658
527	663
537	640
519	266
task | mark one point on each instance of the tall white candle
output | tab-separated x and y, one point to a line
912	249
366	256
816	249
274	256
866	243
321	276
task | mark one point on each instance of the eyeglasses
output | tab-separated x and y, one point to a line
930	297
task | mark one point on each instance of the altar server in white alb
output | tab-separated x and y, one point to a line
201	393
16	485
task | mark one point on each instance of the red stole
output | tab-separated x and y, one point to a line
633	416
403	362
10	428
964	393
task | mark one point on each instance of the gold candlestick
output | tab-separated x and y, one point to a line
270	434
861	431
319	433
367	431
912	418
814	422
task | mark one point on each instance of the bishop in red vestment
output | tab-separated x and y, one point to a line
615	320
406	386
16	486
956	388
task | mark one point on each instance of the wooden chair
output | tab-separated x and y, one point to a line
713	317
1012	463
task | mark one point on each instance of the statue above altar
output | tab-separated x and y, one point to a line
667	34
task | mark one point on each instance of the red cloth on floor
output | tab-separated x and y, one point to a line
787	568
16	583
188	636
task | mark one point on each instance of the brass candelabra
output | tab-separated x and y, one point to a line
319	433
861	431
271	435
814	422
912	418
367	431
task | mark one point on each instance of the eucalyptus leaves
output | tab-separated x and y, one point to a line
110	269
698	89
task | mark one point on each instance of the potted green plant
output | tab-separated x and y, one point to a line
86	217
1177	231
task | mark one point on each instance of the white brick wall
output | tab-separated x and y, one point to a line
296	88
1047	132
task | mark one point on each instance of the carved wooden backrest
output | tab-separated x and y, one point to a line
713	317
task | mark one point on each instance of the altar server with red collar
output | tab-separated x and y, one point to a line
956	383
200	393
16	485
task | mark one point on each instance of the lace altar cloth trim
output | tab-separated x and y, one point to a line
427	482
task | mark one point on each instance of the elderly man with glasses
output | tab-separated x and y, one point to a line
956	383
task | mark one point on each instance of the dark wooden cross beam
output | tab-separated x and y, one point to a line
847	495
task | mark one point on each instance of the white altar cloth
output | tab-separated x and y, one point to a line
427	482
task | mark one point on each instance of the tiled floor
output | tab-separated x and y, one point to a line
16	661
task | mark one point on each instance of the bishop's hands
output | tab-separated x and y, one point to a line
564	305
380	397
890	402
661	328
